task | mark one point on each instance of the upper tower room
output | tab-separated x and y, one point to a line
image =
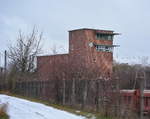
101	40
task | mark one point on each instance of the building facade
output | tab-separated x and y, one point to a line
88	49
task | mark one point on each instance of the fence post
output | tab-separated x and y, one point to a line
64	93
118	96
97	95
73	92
142	78
84	93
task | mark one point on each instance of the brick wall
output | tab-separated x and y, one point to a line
80	55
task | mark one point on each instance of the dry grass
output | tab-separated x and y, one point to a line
3	111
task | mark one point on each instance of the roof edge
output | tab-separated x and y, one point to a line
52	55
90	29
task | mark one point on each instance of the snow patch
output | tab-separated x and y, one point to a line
24	109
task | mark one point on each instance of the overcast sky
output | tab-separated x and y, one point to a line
131	18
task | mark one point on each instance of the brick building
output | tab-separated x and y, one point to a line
88	48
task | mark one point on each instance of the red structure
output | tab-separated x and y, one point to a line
132	98
88	48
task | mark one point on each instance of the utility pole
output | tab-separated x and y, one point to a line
5	64
0	58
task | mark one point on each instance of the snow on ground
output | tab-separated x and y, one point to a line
24	109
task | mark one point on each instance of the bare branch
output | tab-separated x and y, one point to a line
23	54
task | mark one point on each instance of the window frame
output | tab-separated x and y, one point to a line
104	48
100	36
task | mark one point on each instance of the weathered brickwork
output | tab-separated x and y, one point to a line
88	48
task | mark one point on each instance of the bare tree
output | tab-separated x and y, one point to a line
24	53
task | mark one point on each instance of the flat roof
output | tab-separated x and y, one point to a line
128	90
53	55
90	29
97	31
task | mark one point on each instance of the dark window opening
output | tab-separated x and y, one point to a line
94	60
104	36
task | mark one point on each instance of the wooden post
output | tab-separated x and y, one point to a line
141	98
97	94
5	66
64	92
73	92
118	96
141	78
5	63
84	94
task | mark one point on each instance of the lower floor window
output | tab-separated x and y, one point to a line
104	48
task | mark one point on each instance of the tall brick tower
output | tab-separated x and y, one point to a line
88	49
92	48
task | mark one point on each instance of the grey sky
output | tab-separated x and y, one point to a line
56	17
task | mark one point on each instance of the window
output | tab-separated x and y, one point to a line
104	48
104	36
94	60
